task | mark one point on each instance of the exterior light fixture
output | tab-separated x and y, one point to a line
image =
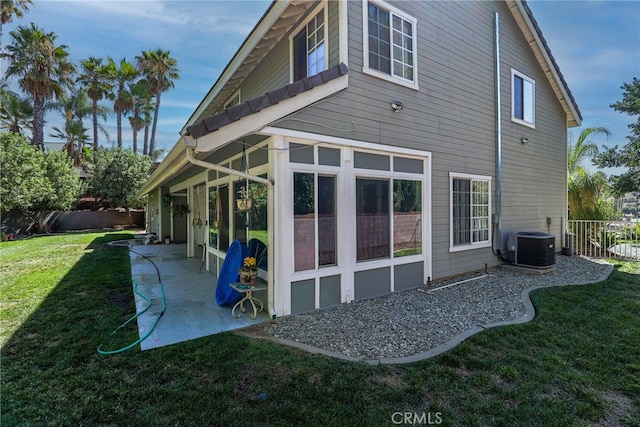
396	106
524	140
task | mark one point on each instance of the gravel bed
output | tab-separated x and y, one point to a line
415	321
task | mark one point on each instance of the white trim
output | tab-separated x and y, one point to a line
343	33
256	121
328	141
550	68
194	180
532	101
472	245
413	84
323	5
227	103
346	176
265	24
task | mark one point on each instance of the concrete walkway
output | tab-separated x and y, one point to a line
191	308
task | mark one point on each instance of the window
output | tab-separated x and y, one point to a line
389	43
522	99
374	238
234	100
407	217
219	217
314	220
309	48
470	211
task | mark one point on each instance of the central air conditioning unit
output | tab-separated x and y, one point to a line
532	249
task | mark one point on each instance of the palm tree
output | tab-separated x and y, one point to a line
95	78
42	68
589	196
75	107
75	135
121	75
588	193
16	114
583	148
140	105
9	9
160	70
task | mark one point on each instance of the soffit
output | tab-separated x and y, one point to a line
230	80
535	39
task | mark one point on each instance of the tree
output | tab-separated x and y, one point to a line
22	179
42	68
16	114
629	155
160	71
64	183
121	75
11	8
95	79
74	106
35	182
588	193
116	175
140	107
75	136
589	196
583	148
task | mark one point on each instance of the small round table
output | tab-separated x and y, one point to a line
248	291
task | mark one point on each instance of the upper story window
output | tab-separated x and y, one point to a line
234	100
309	48
523	105
389	43
470	211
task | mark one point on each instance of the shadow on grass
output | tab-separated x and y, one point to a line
575	364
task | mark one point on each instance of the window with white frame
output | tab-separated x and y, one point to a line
314	220
390	42
234	100
309	48
523	91
470	211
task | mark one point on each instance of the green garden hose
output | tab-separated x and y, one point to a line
135	316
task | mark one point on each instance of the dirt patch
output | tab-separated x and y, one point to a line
620	411
393	380
245	381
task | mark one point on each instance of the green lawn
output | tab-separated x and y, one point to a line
577	363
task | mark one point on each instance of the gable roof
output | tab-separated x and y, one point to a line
254	105
532	32
274	24
280	17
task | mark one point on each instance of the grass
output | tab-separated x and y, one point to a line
577	363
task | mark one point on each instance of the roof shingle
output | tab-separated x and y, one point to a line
253	105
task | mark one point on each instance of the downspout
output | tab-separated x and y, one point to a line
191	149
496	218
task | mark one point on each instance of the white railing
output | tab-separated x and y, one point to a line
605	239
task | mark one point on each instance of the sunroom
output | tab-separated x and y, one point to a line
341	219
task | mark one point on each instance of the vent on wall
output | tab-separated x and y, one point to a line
532	249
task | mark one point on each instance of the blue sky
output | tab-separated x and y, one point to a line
595	43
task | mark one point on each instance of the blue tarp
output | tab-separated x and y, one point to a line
225	294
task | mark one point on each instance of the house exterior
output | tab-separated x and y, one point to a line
384	144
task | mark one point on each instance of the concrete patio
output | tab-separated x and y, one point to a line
191	308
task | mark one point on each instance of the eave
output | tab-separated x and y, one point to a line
537	43
272	27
